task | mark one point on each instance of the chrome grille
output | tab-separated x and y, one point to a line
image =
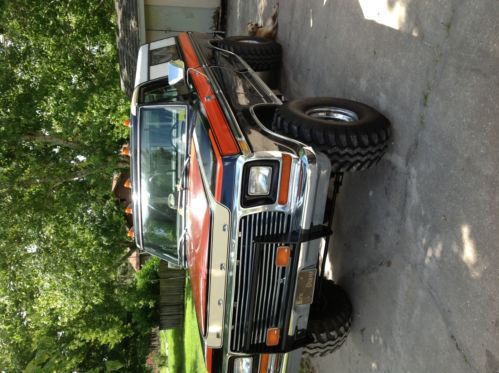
260	284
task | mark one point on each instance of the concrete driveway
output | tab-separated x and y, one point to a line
416	239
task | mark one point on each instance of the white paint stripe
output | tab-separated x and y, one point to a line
162	43
141	74
185	3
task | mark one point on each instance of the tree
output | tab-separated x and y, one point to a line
65	295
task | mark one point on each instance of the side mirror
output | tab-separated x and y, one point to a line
176	71
172	200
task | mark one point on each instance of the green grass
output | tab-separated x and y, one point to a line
185	352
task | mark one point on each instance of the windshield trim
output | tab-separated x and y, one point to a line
137	198
215	195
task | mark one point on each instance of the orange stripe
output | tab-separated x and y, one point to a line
285	175
264	363
220	169
209	356
221	130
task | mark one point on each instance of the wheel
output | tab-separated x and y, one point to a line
260	53
353	135
329	321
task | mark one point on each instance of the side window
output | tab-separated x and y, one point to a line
158	91
206	154
164	54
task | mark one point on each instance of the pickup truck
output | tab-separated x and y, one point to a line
239	188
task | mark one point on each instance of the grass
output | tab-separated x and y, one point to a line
182	347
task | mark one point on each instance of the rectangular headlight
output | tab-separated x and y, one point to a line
243	365
260	180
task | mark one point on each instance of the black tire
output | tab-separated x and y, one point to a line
260	53
329	321
356	144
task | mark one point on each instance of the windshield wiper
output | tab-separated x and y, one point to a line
190	132
181	186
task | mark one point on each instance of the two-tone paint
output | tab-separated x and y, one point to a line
238	109
309	171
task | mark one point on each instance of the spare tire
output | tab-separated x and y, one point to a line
260	53
354	136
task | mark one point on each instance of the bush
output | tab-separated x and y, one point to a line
145	308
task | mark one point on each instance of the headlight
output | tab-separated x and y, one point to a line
243	365
260	183
260	180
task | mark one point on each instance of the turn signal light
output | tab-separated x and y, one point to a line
128	184
128	210
130	233
126	122
244	146
282	256
264	363
125	150
273	336
285	176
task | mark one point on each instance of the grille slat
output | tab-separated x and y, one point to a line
248	258
273	276
275	280
278	287
258	319
261	281
285	228
239	290
258	283
264	274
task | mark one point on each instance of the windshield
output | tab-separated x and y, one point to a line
162	152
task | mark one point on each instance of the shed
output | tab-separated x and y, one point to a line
144	21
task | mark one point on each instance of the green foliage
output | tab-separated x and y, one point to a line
142	306
148	279
65	290
175	357
113	366
184	349
60	99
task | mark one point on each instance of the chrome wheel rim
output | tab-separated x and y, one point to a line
250	41
333	113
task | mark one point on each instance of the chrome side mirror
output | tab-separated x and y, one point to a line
176	71
172	200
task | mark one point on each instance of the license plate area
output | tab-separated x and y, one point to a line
305	286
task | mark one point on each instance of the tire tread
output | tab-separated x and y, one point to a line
330	322
349	147
263	56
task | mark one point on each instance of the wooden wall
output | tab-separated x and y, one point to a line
171	297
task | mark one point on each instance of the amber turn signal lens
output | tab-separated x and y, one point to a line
128	210
264	363
128	184
244	146
125	150
282	256
273	336
131	233
126	122
285	176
